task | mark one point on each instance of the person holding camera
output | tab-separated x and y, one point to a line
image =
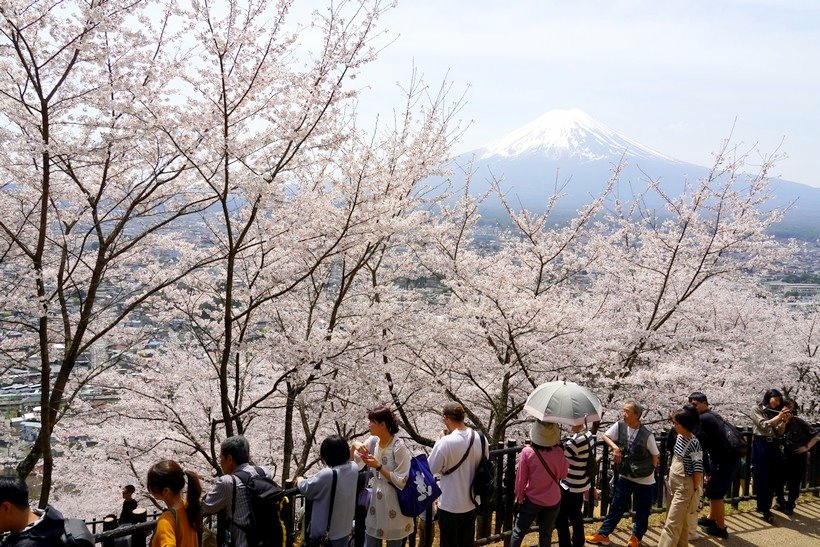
636	454
800	437
769	419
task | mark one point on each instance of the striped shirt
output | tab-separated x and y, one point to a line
691	453
577	450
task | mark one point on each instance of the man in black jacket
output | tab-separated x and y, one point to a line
128	504
724	464
28	528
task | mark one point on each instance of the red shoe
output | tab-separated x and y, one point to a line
633	542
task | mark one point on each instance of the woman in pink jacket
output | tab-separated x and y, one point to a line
537	489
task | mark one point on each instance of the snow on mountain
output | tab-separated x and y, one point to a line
570	149
564	134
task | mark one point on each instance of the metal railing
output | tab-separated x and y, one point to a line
495	518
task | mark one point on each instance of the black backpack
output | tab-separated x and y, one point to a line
734	439
266	528
484	478
76	534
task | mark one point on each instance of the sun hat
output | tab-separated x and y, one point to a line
545	434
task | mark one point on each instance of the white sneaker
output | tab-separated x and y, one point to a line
694	536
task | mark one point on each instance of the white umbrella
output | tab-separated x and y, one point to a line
564	402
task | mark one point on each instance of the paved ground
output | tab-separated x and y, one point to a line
745	529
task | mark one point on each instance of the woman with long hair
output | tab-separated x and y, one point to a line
685	478
769	422
179	525
389	461
537	483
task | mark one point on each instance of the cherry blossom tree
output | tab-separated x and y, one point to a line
658	271
309	209
90	191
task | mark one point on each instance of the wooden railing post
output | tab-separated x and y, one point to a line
426	531
361	511
605	489
139	515
589	506
814	469
109	523
501	493
509	490
289	515
660	486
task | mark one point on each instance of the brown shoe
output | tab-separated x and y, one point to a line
597	539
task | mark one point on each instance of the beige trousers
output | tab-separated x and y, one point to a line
676	529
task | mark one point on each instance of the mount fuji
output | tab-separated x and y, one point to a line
571	150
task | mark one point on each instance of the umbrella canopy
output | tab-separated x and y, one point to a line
564	402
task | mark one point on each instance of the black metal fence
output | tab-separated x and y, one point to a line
495	519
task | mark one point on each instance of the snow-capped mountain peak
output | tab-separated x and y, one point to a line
560	134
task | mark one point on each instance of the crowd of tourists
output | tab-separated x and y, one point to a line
553	480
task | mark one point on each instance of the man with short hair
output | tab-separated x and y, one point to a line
455	457
636	454
128	504
27	527
228	496
723	462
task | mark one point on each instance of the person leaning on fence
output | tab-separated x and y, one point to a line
228	497
685	478
27	527
455	457
769	420
635	452
537	484
179	524
578	449
336	455
389	461
799	438
724	465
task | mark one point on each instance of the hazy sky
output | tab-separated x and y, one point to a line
672	75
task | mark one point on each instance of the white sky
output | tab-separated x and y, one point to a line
672	75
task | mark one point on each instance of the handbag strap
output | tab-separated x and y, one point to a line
177	533
544	463
332	499
464	457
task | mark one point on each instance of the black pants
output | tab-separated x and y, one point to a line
456	529
767	464
794	469
570	514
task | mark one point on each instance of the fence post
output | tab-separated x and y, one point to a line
747	463
109	523
306	521
427	530
289	516
500	494
605	468
509	489
138	538
361	510
589	506
660	487
814	470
